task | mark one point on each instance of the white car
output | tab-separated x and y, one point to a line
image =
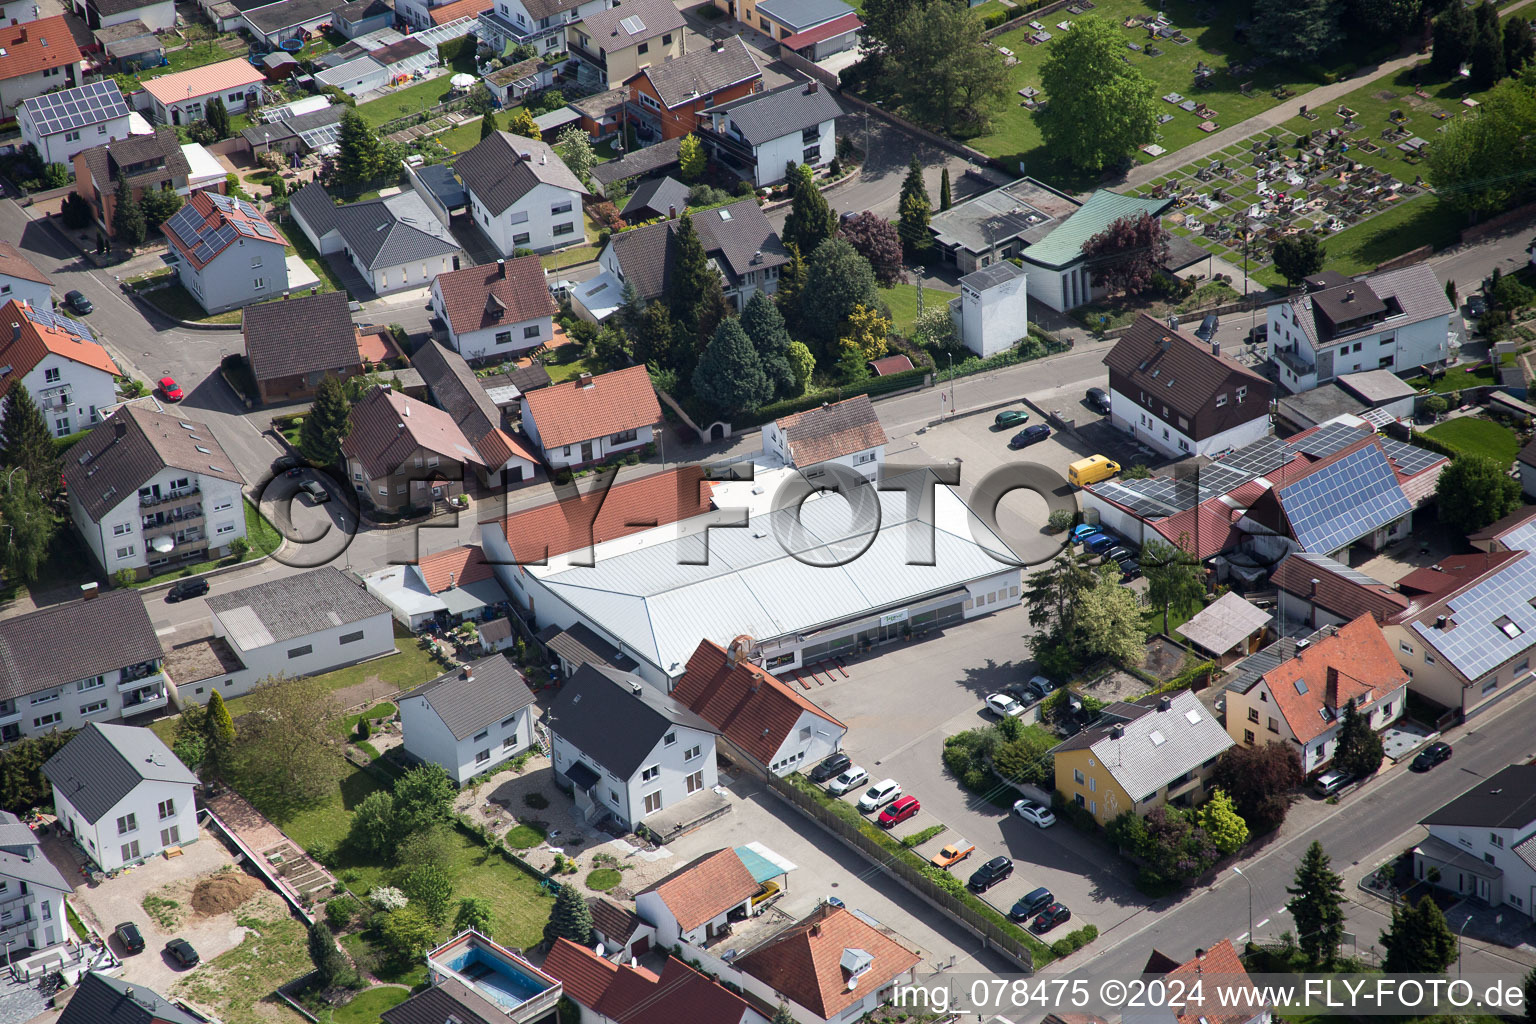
1003	706
846	781
878	795
1035	813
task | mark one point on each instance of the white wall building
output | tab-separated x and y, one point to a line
395	242
497	311
228	255
541	23
40	56
1478	842
22	281
182	98
845	434
32	890
521	194
157	15
694	903
69	375
61	124
122	794
761	135
469	720
590	419
991	313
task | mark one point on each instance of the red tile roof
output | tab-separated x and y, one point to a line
14	264
462	565
609	403
1217	528
216	211
703	889
811	36
1338	594
1355	663
519	295
225	76
38	45
634	995
1451	573
805	962
597	515
22	349
831	431
753	708
460	9
1220	962
888	364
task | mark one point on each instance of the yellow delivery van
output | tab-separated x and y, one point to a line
1091	470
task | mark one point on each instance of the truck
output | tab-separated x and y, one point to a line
953	853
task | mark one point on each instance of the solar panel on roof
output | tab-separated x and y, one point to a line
264	230
633	25
48	318
1341	503
75	108
1328	439
1410	460
1265	455
1338	569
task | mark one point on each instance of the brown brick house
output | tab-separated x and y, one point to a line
402	453
667	98
149	162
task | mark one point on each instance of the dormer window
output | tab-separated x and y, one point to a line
1242	392
1221	400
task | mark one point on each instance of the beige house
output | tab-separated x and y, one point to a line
616	44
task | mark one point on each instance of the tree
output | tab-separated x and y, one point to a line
423	799
1455	33
1298	256
1528	986
1101	108
688	290
877	241
935	60
358	159
475	913
406	934
1450	293
430	890
1369	21
158	205
1228	831
1259	779
1127	254
1487	162
843	280
28	442
810	221
488	126
690	158
1053	593
945	200
765	328
190	740
27	526
915	210
783	1016
372	830
1435	406
1519	44
1317	907
1358	750
75	211
1487	48
1109	620
867	332
284	752
1474	491
729	376
653	341
22	783
1418	941
1174	576
569	918
575	148
934	328
1294	30
327	957
792	278
326	424
521	123
127	218
217	117
1024	758
803	363
218	735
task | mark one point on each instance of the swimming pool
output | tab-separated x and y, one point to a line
501	981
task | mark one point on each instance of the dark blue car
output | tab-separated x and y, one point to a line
1099	543
1030	435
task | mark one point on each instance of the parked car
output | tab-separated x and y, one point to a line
851	776
284	463
1010	418
1036	814
1031	903
989	874
1100	543
78	303
1431	756
129	935
1082	531
878	795
1030	435
1042	686
1476	306
316	491
1003	706
834	765
1022	693
170	389
1098	398
1331	781
1119	553
900	810
181	951
183	589
1130	569
1050	917
953	853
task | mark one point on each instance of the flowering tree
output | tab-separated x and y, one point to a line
1127	255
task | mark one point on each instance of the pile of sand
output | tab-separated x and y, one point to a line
223	892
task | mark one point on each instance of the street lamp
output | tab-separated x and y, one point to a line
1239	873
1459	933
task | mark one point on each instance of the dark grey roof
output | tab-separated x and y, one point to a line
803	14
989	277
657	198
22	856
100	999
293	606
640	163
496	174
1507	800
112	8
1254	667
633	21
600	104
66	642
579	645
160	152
311	333
457	391
103	763
441	182
448	999
615	719
783	111
111	463
478	695
702	73
738	237
362	10
288	13
380	232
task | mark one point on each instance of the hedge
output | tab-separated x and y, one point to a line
1423	440
810	400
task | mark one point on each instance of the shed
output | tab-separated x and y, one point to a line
1227	629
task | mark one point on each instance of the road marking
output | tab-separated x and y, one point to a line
1262	923
163	632
1242	938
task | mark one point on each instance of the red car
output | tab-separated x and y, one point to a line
170	389
899	811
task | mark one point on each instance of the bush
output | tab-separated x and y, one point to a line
340	911
1060	521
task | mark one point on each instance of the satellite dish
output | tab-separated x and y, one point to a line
599	950
853	983
163	544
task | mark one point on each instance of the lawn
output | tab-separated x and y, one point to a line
902	301
570	257
261	534
238	984
413	99
415	975
299	243
381	710
1474	436
193	56
368	1004
177	303
1457	379
462	138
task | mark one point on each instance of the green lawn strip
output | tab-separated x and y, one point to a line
1476	436
177	303
566	371
81	931
368	1004
524	836
570	257
464	137
384	709
1457	379
194	55
604	879
902	301
238	984
299	243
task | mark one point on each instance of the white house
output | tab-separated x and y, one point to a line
540	23
301	625
694	903
1480	842
122	794
22	281
180	98
469	720
147	489
447	586
495	311
32	891
157	15
228	255
395	242
69	664
626	748
846	434
57	359
356	77
991	313
760	136
61	124
40	56
592	418
521	194
1398	320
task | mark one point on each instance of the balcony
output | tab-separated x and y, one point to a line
156	500
137	682
732	144
143	670
159	526
586	55
1291	360
7	716
147	699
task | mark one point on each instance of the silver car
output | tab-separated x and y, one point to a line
846	781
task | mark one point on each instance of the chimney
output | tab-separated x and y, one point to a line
1164	704
285	294
1165	344
1439	621
120	429
469	676
1116	732
719	46
16	332
634	687
501	268
810	90
1349	295
1215	347
1173	322
88	591
314	289
525	157
1315	582
672	212
1331	696
584	380
815	930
